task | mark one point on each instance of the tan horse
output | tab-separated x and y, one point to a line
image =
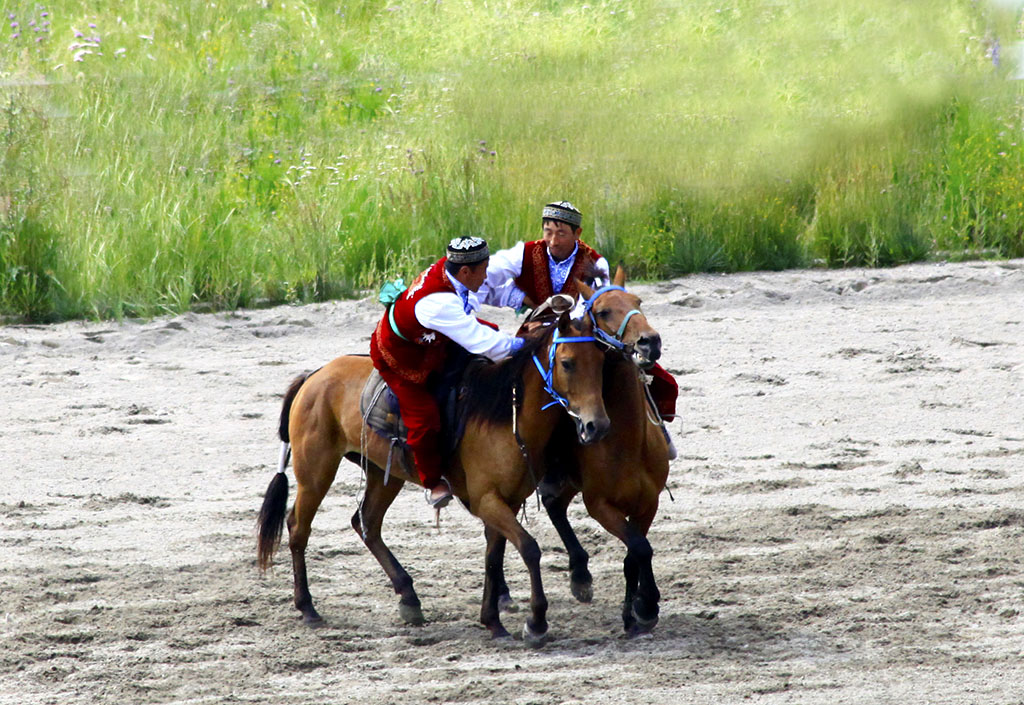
621	476
491	473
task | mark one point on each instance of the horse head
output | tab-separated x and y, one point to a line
618	321
574	377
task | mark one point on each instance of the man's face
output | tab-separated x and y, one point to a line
561	238
473	276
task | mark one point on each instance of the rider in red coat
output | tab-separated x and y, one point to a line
529	273
409	344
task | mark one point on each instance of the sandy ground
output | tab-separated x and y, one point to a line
848	521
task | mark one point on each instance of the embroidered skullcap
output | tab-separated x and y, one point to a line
563	211
468	250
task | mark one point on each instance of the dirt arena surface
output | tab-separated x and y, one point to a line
848	521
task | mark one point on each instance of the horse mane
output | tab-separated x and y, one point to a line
488	388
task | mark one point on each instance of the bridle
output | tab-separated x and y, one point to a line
548	375
613	342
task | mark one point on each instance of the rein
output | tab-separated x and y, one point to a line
612	341
522	445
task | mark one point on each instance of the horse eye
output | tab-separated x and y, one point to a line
603	315
568	365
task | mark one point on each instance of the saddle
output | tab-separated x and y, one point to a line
379	408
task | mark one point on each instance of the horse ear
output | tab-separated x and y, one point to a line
564	323
585	290
620	276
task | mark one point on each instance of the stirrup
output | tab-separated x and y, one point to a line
672	452
444	499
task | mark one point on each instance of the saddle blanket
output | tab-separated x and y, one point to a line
378	406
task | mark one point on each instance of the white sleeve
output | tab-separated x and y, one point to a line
443	312
504	266
508	295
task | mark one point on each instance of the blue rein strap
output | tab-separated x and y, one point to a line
609	340
549	375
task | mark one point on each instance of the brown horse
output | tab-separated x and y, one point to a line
510	418
621	477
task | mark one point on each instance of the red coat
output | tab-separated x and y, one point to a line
423	350
535	279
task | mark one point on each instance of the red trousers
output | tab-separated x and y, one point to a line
423	419
664	390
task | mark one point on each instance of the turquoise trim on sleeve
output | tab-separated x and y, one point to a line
394	326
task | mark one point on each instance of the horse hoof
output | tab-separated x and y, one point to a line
583	592
501	635
507	604
313	621
411	614
641	625
533	639
635	632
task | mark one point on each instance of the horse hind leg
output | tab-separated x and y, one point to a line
367	522
314	473
500	587
495	587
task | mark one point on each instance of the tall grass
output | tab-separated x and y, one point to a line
161	156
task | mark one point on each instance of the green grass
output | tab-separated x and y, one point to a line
224	154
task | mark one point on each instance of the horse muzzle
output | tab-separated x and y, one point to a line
647	350
592	430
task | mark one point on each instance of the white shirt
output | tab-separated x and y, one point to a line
499	289
444	312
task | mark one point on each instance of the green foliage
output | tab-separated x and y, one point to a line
160	156
30	267
981	172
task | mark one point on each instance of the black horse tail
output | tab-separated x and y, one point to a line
286	405
270	522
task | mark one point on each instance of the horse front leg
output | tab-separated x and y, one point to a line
641	603
647	597
556	499
501	518
631	571
640	606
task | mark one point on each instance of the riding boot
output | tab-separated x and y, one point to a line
440	494
428	466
